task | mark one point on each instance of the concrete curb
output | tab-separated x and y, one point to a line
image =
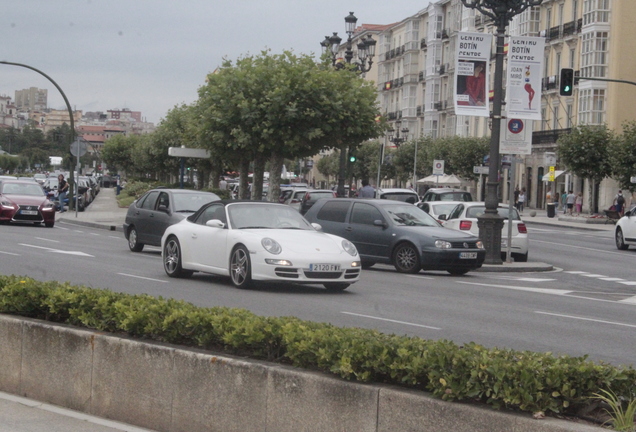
92	225
171	388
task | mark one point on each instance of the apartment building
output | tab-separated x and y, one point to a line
416	77
32	98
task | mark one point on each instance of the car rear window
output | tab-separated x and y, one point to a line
401	196
475	212
313	196
334	211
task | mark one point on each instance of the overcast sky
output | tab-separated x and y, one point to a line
150	55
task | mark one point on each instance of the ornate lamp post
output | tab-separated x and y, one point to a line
397	139
490	224
366	51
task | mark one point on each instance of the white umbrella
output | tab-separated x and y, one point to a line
442	180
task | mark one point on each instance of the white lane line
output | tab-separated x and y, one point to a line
115	237
518	288
9	253
78	253
586	319
420	277
604	252
575	272
610	279
141	277
390	320
49	240
95	234
628	283
534	280
590	275
630	300
78	231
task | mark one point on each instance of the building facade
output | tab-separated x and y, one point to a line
33	99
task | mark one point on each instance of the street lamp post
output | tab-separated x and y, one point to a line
490	223
366	51
397	139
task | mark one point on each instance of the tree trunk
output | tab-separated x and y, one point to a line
276	170
244	171
257	179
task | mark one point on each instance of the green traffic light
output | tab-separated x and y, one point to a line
352	158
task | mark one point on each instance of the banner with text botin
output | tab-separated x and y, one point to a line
471	74
525	66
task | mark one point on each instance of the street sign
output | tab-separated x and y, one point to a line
549	158
188	152
551	174
480	170
79	147
438	167
516	137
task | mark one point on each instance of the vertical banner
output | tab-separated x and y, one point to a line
525	66
471	74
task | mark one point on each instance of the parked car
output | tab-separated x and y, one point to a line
24	201
446	194
398	194
258	241
294	197
625	230
398	233
310	197
438	208
464	218
40	178
149	216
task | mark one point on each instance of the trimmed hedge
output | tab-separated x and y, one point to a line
502	378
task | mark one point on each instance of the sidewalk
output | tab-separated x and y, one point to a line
104	213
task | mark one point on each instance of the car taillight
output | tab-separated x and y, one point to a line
522	228
465	225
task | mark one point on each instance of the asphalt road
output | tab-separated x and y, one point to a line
586	306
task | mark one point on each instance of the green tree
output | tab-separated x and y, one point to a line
117	153
623	156
585	153
283	106
328	165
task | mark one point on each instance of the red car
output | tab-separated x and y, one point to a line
25	202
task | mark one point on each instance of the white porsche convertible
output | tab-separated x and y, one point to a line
258	241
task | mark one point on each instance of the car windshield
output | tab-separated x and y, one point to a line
246	216
410	215
22	189
475	212
191	202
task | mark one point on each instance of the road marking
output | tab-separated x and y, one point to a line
628	283
593	275
517	288
611	279
390	320
115	237
534	280
586	319
141	277
579	247
77	253
575	272
9	253
94	234
630	300
420	277
49	240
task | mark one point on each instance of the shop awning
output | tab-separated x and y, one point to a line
556	174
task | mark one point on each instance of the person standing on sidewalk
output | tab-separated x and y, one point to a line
570	200
62	190
579	203
619	202
521	200
564	201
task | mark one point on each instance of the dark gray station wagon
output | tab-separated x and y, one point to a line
398	233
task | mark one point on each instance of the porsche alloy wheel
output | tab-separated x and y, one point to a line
172	263
241	267
406	259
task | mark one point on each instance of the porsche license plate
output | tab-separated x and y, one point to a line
324	267
468	255
29	212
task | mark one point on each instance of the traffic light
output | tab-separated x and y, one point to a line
352	157
566	85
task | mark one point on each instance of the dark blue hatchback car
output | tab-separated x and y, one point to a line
398	233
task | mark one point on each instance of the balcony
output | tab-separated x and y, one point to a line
437	106
549	137
550	82
553	33
421	76
419	111
445	33
423	43
442	69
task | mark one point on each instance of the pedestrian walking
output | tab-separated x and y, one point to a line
366	191
619	202
579	202
62	190
564	201
570	200
521	200
516	199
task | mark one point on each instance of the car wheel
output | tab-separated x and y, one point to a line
367	264
406	259
458	272
172	263
133	240
521	257
241	267
336	286
49	224
620	240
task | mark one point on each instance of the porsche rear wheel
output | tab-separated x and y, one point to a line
172	262
241	268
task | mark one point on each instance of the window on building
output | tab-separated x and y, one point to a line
575	9
594	50
555	117
568	113
558	63
572	57
548	17
592	106
595	11
560	17
544	119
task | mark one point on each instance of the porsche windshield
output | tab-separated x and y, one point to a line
274	216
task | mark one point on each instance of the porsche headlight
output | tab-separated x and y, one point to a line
271	246
443	244
349	248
